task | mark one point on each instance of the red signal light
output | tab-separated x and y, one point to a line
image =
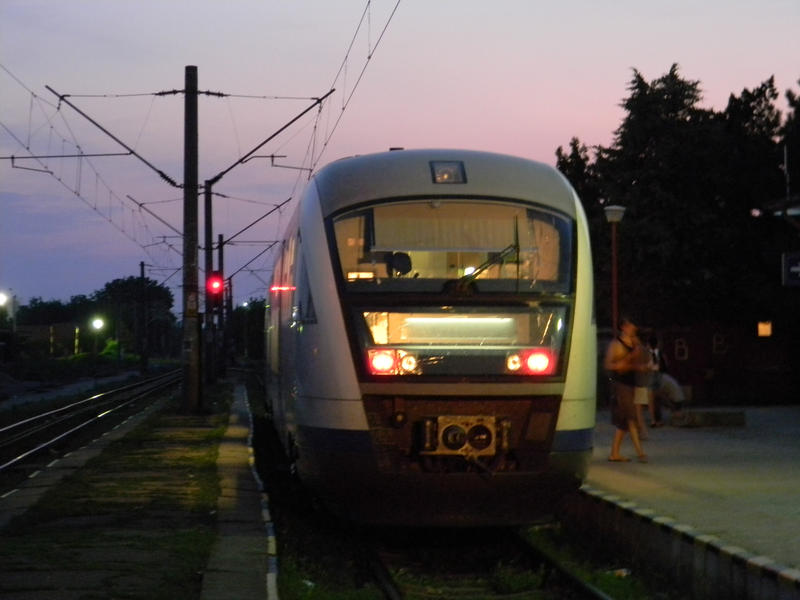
215	285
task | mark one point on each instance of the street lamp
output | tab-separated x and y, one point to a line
614	214
97	325
246	319
11	302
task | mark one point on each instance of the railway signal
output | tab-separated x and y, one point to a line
215	288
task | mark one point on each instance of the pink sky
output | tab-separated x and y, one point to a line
518	77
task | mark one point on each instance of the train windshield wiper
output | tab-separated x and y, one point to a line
463	284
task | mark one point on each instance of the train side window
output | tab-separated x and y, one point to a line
305	301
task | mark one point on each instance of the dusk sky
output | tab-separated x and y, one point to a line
519	77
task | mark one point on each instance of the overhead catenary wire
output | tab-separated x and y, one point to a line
108	215
310	155
247	156
164	176
349	97
109	212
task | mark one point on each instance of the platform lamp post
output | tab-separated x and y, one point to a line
97	326
614	214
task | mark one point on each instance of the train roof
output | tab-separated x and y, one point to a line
408	173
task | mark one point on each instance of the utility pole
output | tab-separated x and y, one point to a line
191	355
223	347
192	391
143	317
209	331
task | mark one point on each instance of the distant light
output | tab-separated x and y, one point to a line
765	329
755	212
282	288
448	171
97	324
3	299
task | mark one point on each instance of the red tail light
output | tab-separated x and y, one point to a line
532	361
382	362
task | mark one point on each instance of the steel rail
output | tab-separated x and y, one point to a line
554	564
159	383
85	400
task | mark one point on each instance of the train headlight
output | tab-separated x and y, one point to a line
448	171
514	363
408	363
532	361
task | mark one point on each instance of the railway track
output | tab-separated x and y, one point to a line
471	565
406	563
28	444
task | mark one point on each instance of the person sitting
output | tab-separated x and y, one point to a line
670	394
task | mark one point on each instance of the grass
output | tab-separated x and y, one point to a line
315	560
138	521
615	580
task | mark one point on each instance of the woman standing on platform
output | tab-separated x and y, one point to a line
622	360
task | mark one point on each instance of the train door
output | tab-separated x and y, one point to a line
282	342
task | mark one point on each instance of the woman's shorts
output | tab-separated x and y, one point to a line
623	410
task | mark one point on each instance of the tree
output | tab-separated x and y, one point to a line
125	303
790	144
131	301
247	328
658	168
690	179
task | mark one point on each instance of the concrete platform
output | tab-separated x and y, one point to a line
242	562
730	492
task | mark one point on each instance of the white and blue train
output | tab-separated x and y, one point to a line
431	342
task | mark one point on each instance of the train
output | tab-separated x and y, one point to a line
431	344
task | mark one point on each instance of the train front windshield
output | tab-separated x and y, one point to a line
509	264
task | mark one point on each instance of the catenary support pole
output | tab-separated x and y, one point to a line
209	331
221	362
192	392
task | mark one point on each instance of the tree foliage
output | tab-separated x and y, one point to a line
691	179
129	306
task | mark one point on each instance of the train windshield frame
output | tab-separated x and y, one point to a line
430	245
456	287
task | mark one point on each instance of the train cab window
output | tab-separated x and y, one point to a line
418	246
